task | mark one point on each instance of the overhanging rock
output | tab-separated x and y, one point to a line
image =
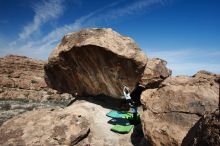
93	62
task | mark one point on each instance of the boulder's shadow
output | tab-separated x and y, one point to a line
105	101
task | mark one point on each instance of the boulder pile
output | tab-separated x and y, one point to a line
91	66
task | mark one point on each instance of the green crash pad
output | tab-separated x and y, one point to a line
122	129
118	114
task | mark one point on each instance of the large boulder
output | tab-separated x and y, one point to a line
173	108
155	72
95	61
44	127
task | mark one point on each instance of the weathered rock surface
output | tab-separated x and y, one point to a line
23	78
206	132
155	72
95	61
44	127
173	108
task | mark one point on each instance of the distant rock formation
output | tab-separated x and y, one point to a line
173	108
23	78
95	61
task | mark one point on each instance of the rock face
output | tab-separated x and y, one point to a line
205	132
93	62
44	127
155	72
23	78
173	108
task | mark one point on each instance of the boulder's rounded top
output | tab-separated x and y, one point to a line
102	37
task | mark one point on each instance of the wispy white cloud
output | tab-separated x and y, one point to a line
126	10
44	12
133	8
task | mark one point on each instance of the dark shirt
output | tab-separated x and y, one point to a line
136	95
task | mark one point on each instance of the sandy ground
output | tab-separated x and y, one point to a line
100	133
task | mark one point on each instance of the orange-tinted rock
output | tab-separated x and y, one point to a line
95	61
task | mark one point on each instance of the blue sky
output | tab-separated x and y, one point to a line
186	33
